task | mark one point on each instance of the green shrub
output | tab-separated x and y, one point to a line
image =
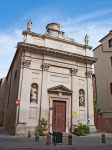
81	130
96	108
42	126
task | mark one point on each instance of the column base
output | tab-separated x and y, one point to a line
22	129
92	129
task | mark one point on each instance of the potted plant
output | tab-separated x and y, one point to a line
42	127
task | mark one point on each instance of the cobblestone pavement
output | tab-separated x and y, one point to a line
89	142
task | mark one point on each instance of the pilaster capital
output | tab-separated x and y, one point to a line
88	74
25	63
73	71
45	66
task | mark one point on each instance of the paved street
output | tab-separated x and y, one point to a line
90	142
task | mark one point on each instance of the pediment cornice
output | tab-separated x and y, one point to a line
58	89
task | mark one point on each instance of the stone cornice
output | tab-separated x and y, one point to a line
56	53
55	38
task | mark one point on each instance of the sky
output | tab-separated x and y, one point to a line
77	17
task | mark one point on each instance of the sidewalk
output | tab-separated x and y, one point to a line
89	142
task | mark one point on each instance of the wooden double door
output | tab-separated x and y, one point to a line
59	116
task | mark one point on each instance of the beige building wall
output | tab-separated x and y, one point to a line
103	71
3	87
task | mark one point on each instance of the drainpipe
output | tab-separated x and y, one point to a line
71	98
86	44
87	94
41	89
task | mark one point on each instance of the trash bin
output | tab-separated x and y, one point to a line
57	137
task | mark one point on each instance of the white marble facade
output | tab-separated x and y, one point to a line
53	68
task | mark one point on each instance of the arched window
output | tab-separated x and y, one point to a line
81	97
34	93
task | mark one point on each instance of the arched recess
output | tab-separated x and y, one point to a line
34	93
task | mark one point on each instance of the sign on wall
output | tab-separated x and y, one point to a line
17	102
74	113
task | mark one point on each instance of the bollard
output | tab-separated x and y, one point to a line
70	139
54	138
36	133
103	139
36	136
29	134
48	139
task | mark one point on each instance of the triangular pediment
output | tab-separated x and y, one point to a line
60	88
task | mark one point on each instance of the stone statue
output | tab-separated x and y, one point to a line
29	25
33	93
81	98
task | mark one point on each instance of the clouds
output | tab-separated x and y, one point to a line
95	31
92	24
96	25
90	16
8	42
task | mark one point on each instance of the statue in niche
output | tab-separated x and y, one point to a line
81	97
34	93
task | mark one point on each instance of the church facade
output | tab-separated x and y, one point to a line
50	77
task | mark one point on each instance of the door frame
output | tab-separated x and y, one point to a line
68	112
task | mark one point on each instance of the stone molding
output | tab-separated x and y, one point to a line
26	63
88	74
45	66
58	53
59	89
73	71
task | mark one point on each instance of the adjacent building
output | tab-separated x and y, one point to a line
50	77
2	100
103	73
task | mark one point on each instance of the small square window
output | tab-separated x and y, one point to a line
110	43
111	87
111	61
0	82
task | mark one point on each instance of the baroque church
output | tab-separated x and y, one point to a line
50	77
